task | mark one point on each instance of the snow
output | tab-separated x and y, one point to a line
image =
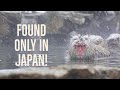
110	12
40	11
11	11
93	37
113	36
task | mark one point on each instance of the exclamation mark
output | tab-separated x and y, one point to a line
40	45
45	59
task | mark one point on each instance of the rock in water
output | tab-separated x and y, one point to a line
82	49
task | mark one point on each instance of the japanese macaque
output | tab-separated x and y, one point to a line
96	39
113	42
84	49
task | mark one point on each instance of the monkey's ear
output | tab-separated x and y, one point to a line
73	33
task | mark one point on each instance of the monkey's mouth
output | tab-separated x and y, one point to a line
80	49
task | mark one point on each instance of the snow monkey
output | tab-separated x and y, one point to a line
113	40
96	39
82	49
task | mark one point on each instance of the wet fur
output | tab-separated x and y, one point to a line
91	51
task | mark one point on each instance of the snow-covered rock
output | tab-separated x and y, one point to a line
110	12
75	71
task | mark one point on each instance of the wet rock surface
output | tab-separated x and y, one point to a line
62	72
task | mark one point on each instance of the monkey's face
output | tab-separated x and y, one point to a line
114	42
78	45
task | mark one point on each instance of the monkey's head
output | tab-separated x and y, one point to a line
113	40
78	44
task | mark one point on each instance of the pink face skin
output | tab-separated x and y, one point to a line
79	49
